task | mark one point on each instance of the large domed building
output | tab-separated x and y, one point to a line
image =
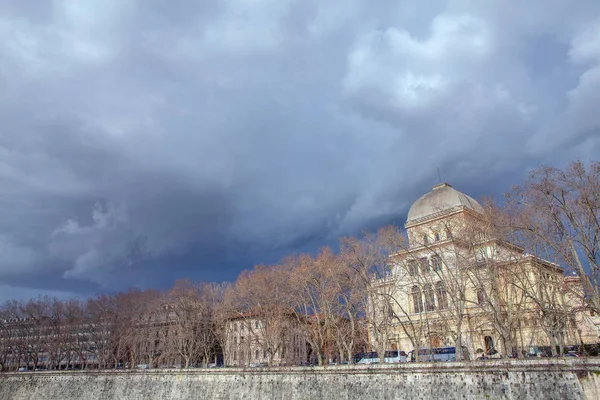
456	285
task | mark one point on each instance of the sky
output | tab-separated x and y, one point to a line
146	141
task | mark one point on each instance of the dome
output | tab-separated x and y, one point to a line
442	197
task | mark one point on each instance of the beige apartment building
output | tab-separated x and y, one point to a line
254	340
458	284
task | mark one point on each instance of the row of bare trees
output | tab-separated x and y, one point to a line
147	328
357	297
327	295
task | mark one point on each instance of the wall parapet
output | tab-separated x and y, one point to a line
511	379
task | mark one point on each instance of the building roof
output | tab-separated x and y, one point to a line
442	198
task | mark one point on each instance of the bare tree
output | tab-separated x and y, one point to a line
261	308
369	258
210	295
101	316
34	323
348	329
217	296
540	285
186	322
558	210
134	311
310	300
66	342
8	350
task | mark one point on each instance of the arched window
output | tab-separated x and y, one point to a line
417	299
256	355
387	270
441	295
429	298
436	236
425	239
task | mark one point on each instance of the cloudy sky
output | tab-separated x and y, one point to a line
144	141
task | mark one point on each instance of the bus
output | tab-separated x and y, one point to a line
439	354
390	356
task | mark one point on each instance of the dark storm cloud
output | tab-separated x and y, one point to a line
145	141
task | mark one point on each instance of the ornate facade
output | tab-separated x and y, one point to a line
458	284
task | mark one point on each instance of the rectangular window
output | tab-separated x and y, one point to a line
417	299
436	263
412	268
424	265
441	296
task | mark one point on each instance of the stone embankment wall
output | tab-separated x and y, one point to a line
509	379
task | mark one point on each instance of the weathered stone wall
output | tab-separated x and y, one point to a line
510	379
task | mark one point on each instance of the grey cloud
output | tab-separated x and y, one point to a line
15	258
143	141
